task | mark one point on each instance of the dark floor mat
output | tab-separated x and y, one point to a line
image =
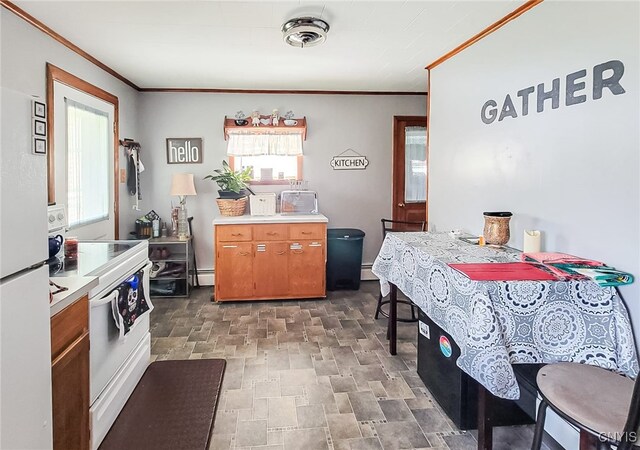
172	407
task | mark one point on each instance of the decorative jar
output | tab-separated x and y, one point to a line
496	227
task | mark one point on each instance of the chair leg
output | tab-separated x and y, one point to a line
537	437
379	306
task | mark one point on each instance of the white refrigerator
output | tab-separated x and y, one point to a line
25	342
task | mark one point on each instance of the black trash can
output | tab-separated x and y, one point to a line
344	258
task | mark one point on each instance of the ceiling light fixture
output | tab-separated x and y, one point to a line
305	31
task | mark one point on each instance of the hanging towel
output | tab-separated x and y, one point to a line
129	303
132	185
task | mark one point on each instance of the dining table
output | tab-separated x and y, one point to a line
496	323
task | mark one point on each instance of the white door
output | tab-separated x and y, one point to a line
84	162
25	361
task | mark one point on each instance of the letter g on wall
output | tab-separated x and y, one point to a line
489	112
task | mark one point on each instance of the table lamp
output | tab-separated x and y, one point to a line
182	185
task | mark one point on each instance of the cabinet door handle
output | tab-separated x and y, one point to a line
236	234
315	244
297	251
280	252
271	233
244	253
306	232
229	246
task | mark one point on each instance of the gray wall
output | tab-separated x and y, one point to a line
357	199
24	53
571	172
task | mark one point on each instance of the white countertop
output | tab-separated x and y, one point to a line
278	218
77	287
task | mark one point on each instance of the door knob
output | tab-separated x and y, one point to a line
401	205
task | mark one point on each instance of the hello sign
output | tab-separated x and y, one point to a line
184	151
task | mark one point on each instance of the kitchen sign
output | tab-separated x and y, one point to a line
184	151
352	161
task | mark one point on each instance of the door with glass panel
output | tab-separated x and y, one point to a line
84	162
409	168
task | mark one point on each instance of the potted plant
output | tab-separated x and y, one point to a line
232	184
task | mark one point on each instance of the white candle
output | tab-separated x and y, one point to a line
531	241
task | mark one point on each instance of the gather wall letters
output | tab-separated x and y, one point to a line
614	70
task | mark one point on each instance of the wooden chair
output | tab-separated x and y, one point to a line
399	225
601	403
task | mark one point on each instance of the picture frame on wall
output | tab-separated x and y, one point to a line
38	109
39	146
184	150
39	127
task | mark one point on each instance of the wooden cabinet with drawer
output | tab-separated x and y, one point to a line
270	261
70	376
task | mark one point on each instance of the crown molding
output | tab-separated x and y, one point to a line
64	41
487	31
277	91
10	6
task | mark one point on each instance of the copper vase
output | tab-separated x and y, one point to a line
496	227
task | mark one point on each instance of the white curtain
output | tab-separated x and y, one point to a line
264	144
87	164
415	157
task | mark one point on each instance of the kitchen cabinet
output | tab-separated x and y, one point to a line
70	376
269	278
234	265
172	273
270	261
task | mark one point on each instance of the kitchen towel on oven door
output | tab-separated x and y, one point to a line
129	303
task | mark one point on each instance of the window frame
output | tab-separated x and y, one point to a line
275	181
56	74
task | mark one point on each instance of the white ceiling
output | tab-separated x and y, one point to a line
371	46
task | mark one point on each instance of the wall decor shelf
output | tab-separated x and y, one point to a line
300	127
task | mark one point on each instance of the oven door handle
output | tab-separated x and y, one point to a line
114	294
104	300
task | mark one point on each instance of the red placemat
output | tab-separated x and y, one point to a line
515	271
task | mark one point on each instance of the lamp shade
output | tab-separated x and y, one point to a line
182	184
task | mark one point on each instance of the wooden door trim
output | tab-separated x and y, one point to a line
57	74
398	165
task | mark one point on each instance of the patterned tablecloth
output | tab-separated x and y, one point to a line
499	323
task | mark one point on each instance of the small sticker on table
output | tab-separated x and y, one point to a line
424	330
445	346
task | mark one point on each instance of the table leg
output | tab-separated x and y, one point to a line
393	315
485	427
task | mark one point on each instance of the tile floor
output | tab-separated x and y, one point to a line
312	375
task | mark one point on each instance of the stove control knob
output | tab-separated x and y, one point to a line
52	218
60	216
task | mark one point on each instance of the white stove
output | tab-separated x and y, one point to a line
56	218
116	364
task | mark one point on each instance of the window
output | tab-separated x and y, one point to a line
88	184
270	169
274	158
415	151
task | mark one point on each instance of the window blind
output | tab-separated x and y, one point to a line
87	164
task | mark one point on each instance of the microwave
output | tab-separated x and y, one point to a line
298	202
